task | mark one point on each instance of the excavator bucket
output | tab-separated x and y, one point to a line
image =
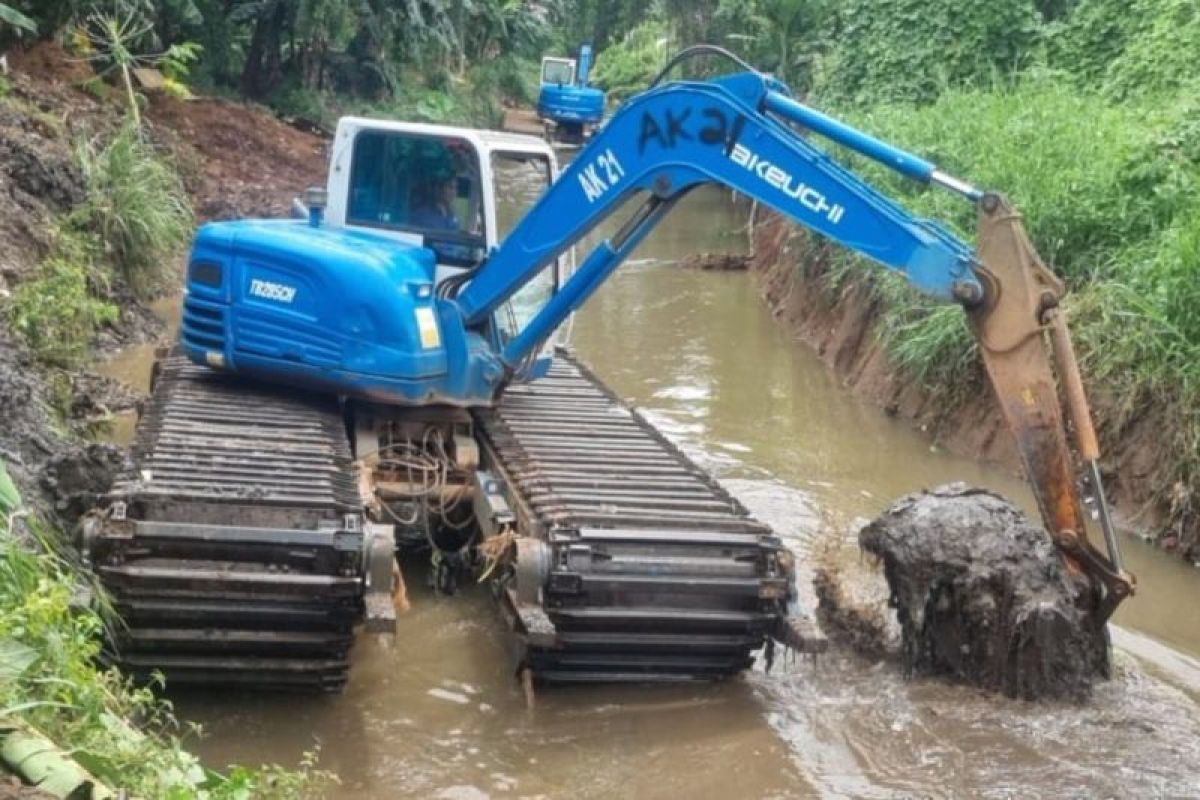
1021	305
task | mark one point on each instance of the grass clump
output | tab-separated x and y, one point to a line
137	207
1140	335
59	311
1109	192
1089	176
126	234
50	682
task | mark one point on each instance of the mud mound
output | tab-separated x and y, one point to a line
252	163
982	596
717	262
46	61
78	476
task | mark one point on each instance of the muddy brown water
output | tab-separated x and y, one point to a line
435	712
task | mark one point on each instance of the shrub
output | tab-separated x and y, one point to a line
59	311
1091	38
627	67
51	681
887	50
137	207
1162	55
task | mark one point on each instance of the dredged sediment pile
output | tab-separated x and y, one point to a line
982	596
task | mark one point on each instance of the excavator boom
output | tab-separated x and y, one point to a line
740	132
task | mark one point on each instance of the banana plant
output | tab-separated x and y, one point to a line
17	20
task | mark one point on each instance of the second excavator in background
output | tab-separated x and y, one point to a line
571	109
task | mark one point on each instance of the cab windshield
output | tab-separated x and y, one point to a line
558	71
423	185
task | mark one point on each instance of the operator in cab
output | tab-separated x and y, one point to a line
433	205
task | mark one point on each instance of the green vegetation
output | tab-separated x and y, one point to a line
60	309
50	682
16	20
127	233
137	207
911	49
630	64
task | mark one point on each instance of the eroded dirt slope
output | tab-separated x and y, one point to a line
236	161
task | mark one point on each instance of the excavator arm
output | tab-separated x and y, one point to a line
741	132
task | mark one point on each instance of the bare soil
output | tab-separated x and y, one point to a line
236	161
522	120
250	164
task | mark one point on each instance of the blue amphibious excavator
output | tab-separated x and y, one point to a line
567	104
382	377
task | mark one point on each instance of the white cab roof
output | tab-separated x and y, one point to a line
485	141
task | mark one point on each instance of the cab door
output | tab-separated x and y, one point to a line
519	180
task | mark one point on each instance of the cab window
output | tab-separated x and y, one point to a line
558	71
521	180
419	184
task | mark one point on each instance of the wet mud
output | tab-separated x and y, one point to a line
79	475
982	596
718	262
95	398
865	628
28	435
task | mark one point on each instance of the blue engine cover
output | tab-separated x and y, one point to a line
339	310
580	104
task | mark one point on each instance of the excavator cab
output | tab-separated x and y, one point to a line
439	187
351	301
